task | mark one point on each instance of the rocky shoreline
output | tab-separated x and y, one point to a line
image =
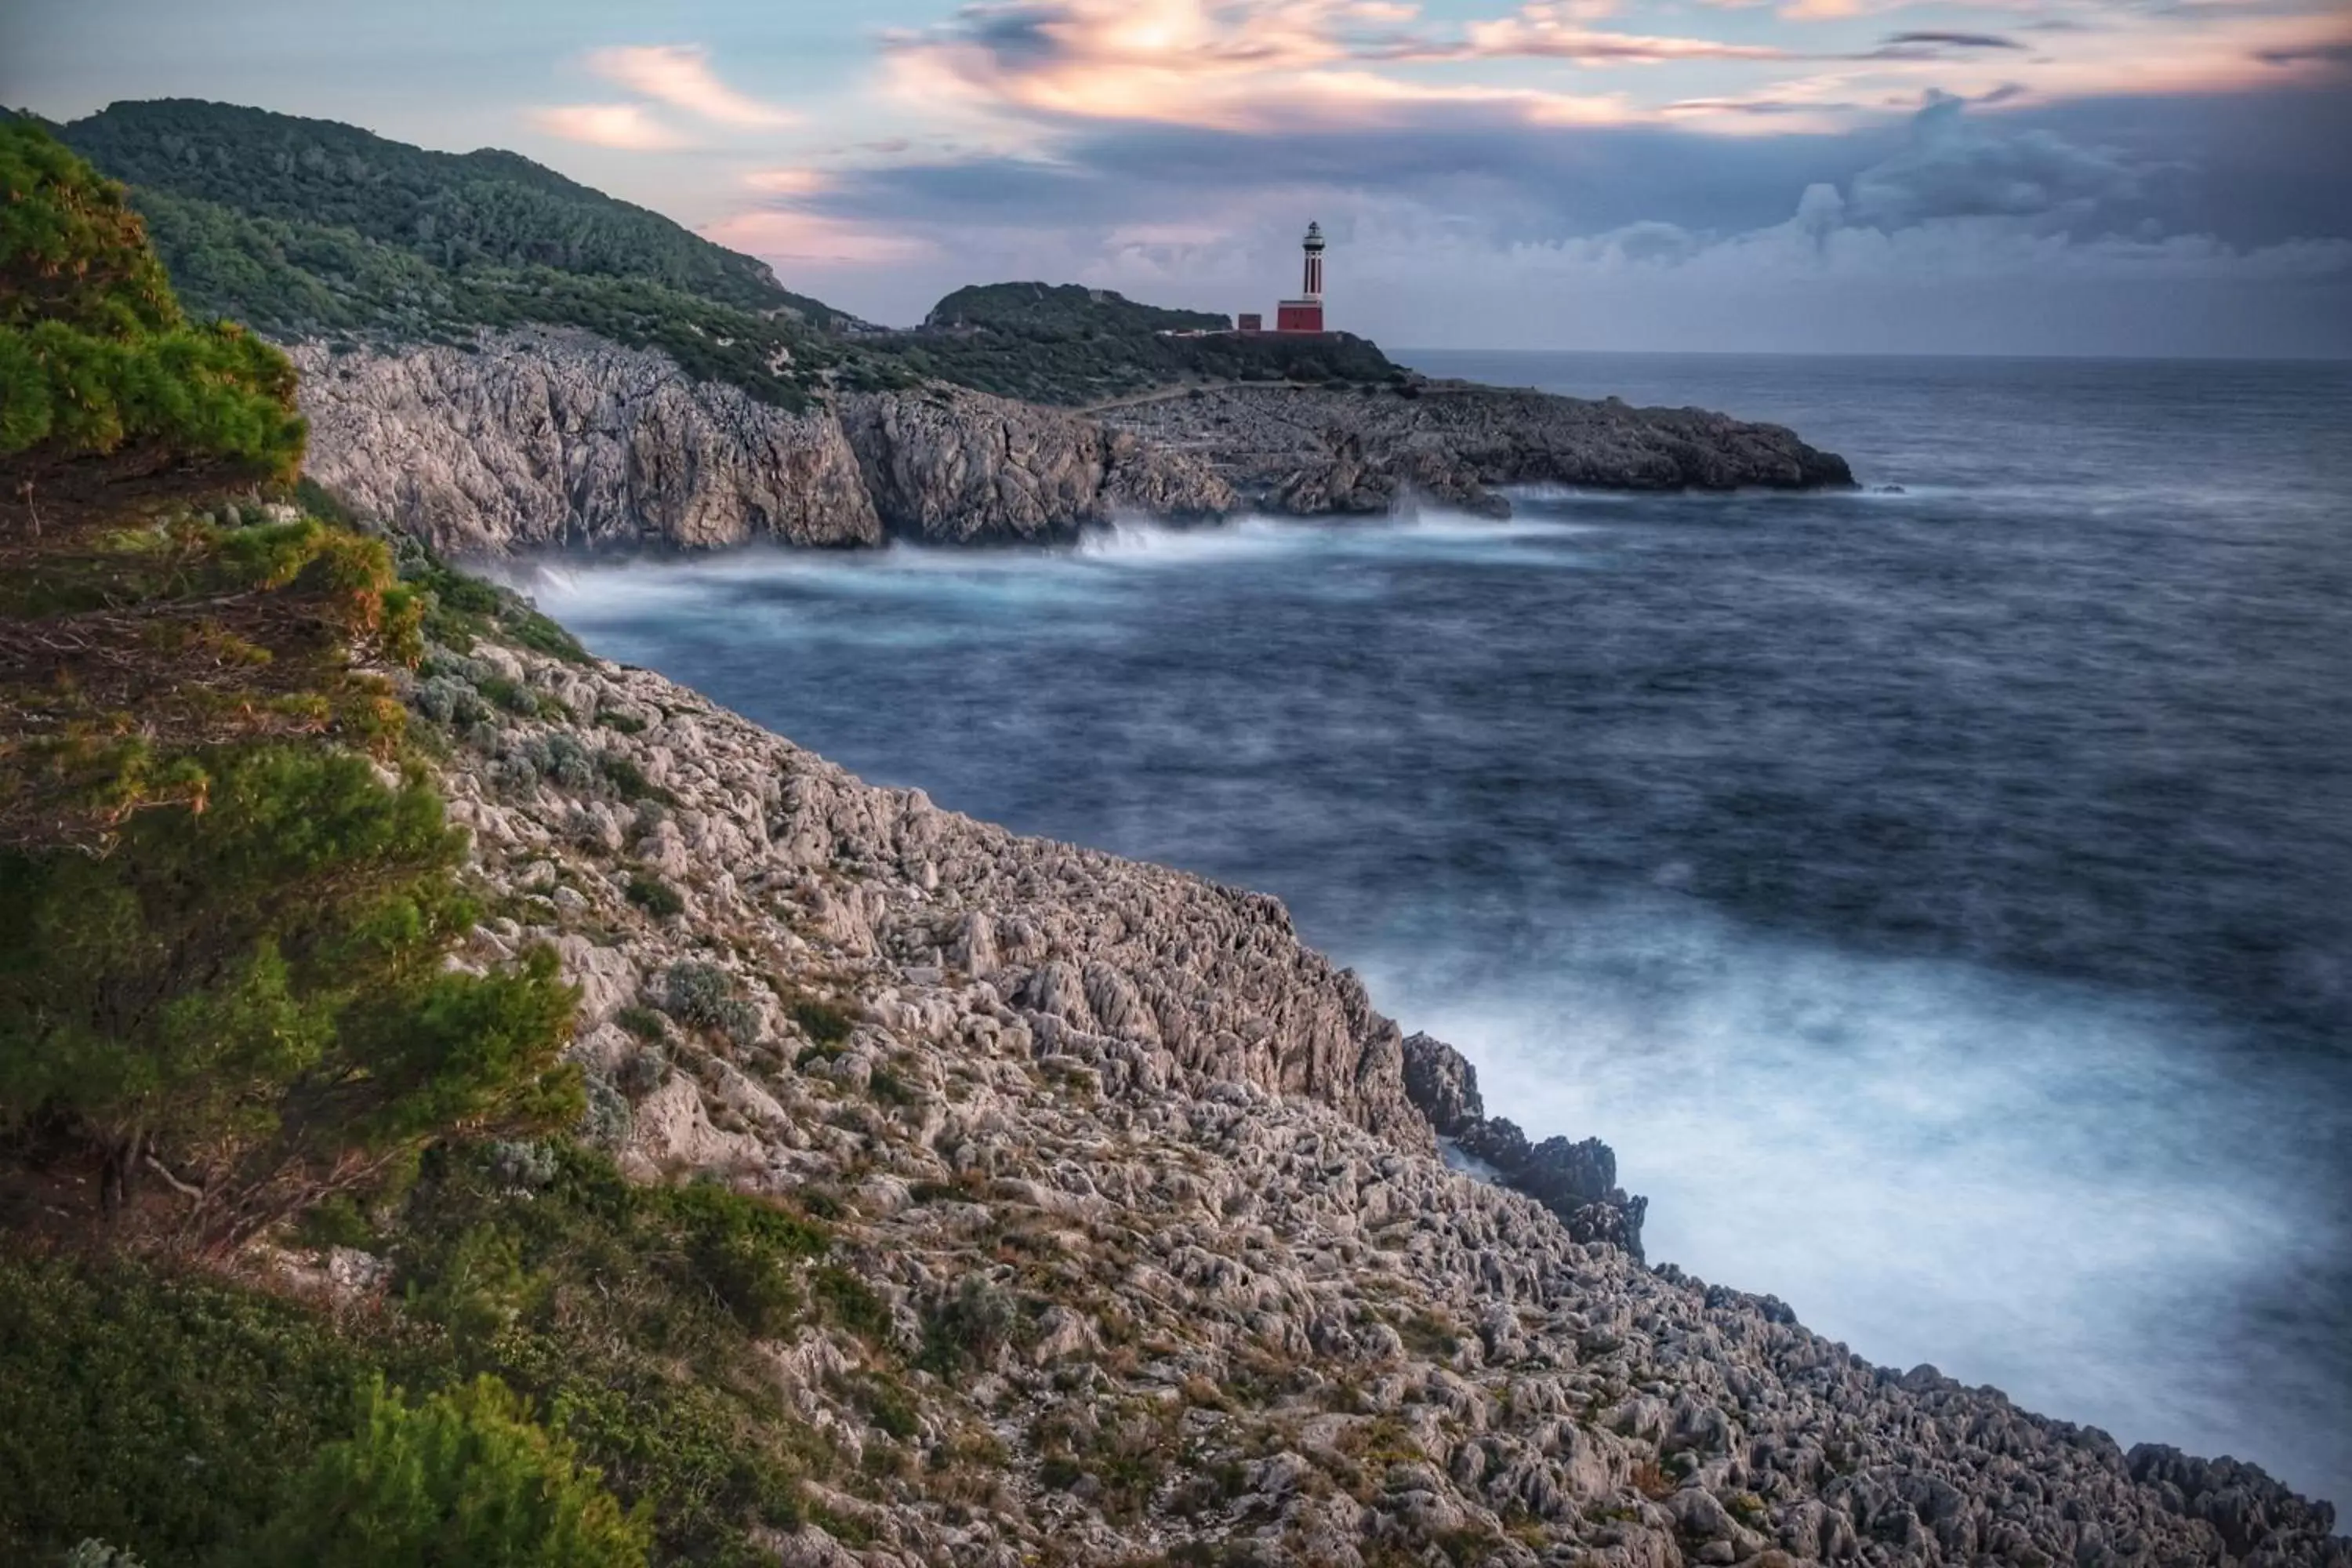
1309	453
1255	1316
546	439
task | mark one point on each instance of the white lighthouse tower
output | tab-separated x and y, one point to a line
1305	314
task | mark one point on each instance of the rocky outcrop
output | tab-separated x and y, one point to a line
955	466
1308	451
548	439
1576	1181
544	439
1252	1313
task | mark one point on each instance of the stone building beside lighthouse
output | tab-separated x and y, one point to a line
1305	314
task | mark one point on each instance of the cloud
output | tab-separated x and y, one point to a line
1958	167
1952	41
804	239
680	76
2337	52
1266	65
623	125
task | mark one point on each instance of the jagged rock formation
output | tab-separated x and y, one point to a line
1253	1316
1308	451
956	466
551	438
1576	1181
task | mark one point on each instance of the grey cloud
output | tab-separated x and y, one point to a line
1958	167
2332	54
1954	40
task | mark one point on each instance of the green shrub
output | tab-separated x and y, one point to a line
967	1327
631	782
253	993
173	1411
94	353
654	896
465	1477
642	1022
824	1022
850	1302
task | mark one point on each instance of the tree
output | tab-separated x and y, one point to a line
464	1480
95	354
249	1001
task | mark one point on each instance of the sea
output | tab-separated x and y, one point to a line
1939	893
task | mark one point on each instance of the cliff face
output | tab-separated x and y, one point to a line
955	466
1309	451
1245	1307
549	438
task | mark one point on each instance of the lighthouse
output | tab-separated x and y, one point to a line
1305	314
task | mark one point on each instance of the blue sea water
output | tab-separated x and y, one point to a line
1942	899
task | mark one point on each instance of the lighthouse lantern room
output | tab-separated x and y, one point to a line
1305	314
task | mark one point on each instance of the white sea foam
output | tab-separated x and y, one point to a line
2067	1194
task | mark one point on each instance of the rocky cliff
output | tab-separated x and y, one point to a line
1307	451
549	438
1182	1190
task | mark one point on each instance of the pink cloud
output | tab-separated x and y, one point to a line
621	125
680	76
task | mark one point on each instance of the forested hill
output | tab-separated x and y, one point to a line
311	230
456	211
1066	307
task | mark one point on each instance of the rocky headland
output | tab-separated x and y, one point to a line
1253	1311
1309	452
545	439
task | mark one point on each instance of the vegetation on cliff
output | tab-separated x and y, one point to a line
1074	345
308	229
311	228
95	354
226	998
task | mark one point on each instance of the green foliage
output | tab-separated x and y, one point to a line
967	1327
74	251
254	990
1076	345
642	1022
851	1302
458	212
1064	309
824	1022
462	609
94	353
631	782
465	1477
172	1410
309	228
654	896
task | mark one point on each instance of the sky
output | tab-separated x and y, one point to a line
2014	176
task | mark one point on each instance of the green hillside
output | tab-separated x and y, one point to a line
307	228
1073	345
310	229
1066	307
455	212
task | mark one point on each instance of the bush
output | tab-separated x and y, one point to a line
702	995
253	993
654	896
967	1327
631	782
822	1021
94	353
465	1477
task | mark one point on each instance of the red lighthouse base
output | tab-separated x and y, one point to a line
1298	316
